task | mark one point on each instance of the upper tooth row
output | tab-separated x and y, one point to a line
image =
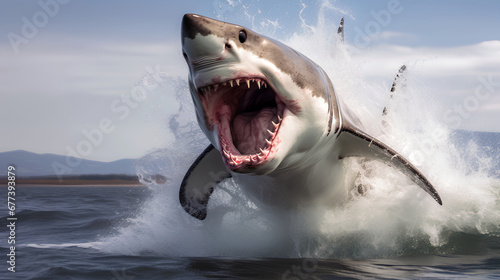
259	82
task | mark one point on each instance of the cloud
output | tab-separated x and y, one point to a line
392	37
453	74
492	107
482	58
69	65
59	86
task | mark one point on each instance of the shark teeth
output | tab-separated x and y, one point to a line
236	160
233	158
232	83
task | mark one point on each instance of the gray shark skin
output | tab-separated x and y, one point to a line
274	122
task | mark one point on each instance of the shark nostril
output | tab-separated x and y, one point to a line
227	46
185	56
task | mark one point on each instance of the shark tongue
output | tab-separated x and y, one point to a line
249	130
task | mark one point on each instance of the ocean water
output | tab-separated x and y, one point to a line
99	233
394	231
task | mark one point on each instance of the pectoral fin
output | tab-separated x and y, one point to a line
200	180
355	142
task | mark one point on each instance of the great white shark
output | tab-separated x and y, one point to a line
274	122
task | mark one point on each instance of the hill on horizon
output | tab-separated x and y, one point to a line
29	164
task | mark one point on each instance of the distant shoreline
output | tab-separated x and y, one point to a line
84	180
75	183
86	186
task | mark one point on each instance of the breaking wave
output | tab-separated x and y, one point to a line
393	218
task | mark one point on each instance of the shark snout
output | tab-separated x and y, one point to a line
201	47
210	49
191	25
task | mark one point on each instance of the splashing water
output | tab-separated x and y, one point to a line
394	217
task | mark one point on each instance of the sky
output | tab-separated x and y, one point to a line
83	76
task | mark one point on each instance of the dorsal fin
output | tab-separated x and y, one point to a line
395	85
340	31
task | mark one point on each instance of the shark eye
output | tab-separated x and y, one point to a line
242	36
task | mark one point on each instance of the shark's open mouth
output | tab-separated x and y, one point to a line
249	114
